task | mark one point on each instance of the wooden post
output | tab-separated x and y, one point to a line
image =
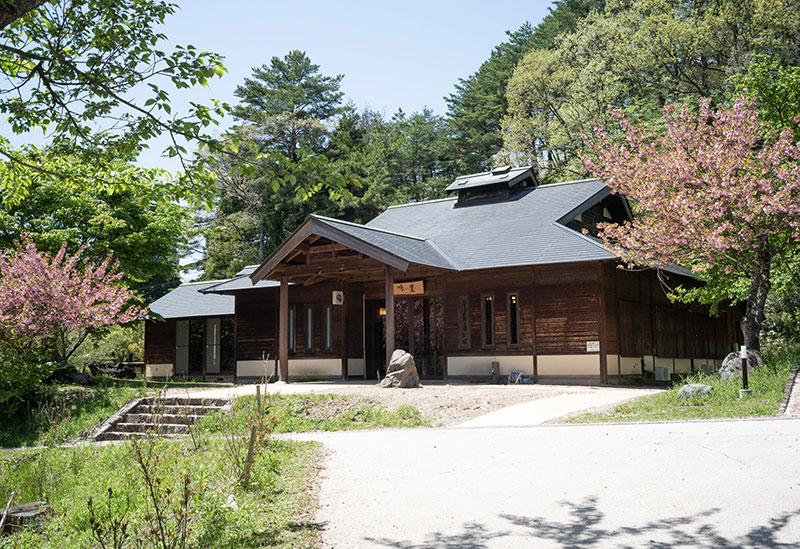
283	331
602	326
344	306
390	338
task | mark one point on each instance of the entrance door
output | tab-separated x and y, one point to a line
419	324
374	341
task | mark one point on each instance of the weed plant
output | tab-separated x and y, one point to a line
300	413
767	383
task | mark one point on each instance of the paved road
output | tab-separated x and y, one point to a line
700	484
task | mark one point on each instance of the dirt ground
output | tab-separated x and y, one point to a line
445	404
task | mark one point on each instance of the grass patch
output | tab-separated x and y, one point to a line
298	413
65	413
165	384
767	383
269	513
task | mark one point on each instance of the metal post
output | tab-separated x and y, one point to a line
744	391
744	366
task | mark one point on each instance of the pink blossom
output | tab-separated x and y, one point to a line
43	295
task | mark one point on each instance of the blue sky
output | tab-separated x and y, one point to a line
405	55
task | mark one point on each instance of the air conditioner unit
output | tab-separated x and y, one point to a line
338	297
662	374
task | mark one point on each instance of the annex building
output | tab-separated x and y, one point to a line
503	271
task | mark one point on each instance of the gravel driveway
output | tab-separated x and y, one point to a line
446	404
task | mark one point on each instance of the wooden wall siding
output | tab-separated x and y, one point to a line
567	303
499	282
318	296
256	324
159	341
354	302
257	318
641	321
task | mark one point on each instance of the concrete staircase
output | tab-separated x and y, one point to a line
162	416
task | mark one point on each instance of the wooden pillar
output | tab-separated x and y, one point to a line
533	327
344	306
602	326
283	332
390	338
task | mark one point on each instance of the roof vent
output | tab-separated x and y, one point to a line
497	184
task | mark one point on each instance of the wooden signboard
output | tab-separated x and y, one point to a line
412	287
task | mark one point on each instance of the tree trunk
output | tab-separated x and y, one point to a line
756	302
11	10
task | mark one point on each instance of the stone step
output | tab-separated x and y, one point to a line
175	409
118	435
185	401
189	419
159	428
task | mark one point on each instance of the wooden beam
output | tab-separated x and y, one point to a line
283	342
323	248
390	336
359	245
303	232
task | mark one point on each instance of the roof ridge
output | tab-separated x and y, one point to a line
441	252
361	226
572	182
203	282
453	198
224	281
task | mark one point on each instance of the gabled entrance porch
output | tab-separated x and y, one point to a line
358	293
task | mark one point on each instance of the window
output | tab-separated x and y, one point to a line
291	328
328	327
309	313
463	322
513	319
487	324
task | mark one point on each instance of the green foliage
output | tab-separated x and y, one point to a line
22	374
293	117
220	513
479	103
637	56
91	75
289	102
776	87
117	344
299	413
60	415
141	231
768	384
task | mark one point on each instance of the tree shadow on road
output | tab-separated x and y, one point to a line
585	528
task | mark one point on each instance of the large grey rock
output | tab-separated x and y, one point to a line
693	390
401	372
732	365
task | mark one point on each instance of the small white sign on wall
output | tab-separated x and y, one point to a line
592	346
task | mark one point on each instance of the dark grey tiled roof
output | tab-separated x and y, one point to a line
500	175
187	300
522	230
241	281
414	249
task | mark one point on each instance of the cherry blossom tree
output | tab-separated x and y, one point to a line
55	301
718	191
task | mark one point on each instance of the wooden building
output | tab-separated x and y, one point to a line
190	335
502	272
